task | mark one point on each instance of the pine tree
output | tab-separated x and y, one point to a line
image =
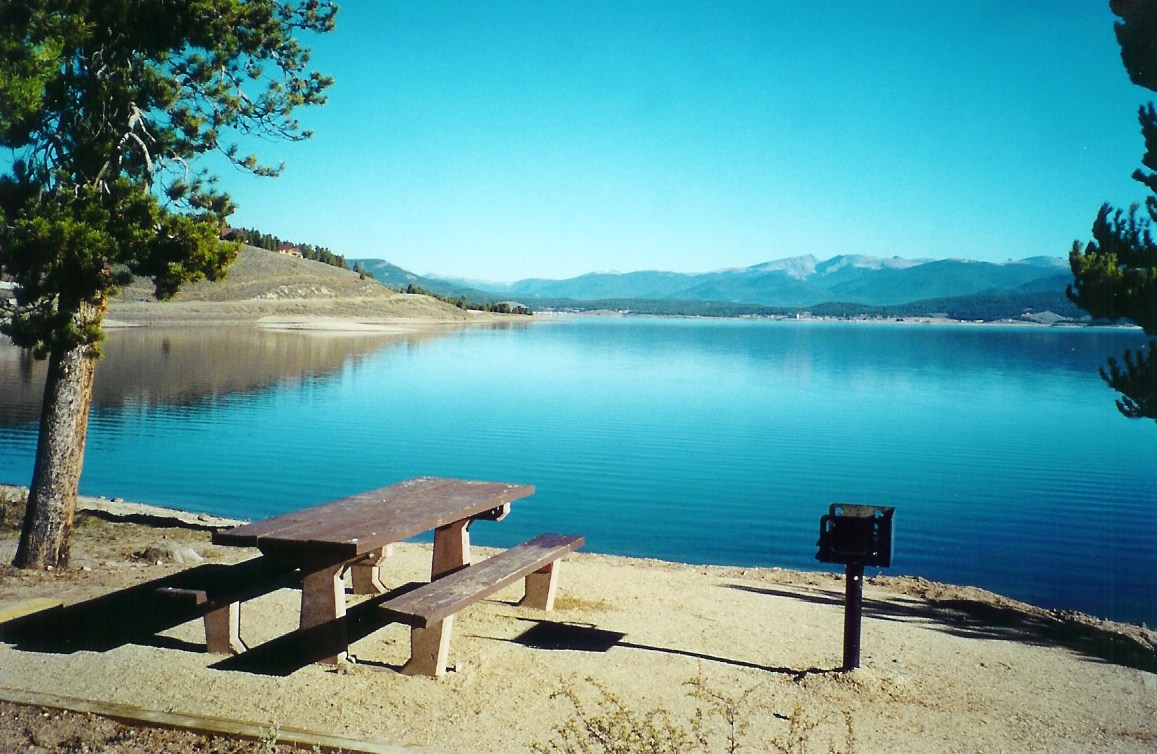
1115	274
106	107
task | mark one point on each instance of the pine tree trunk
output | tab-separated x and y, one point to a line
44	540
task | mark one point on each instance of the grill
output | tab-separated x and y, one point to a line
852	534
855	536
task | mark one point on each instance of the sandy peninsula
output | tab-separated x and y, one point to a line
280	292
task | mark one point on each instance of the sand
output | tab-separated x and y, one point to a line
944	668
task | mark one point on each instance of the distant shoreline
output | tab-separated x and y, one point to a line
1060	323
318	315
384	316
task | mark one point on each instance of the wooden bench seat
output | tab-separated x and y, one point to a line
429	610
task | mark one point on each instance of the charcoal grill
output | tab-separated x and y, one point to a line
855	536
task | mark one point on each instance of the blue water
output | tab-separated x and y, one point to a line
712	441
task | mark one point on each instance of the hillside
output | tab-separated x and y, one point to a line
263	283
258	274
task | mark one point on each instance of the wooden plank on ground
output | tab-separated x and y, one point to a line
21	608
203	724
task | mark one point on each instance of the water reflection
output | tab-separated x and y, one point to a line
186	365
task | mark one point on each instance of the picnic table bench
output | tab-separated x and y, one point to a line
354	534
430	609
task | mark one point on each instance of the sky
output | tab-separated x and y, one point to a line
498	140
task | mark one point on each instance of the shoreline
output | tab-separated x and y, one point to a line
920	320
365	315
324	315
119	510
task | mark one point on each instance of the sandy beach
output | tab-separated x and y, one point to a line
945	668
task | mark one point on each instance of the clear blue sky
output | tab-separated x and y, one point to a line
502	140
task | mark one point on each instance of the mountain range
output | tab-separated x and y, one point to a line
795	282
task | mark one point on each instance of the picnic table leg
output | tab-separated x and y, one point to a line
451	548
223	630
541	587
430	648
323	614
366	575
222	624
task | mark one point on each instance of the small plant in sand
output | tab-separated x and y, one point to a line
811	733
269	743
721	723
614	728
720	719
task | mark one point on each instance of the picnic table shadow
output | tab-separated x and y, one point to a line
138	615
288	653
979	619
134	615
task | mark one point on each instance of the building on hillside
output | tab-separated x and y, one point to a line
289	250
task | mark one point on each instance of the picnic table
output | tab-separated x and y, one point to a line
355	533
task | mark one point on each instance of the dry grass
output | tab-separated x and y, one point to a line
607	725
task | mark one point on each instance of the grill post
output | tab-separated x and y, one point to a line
856	536
853	612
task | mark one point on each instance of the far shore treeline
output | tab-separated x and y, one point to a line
270	242
1042	308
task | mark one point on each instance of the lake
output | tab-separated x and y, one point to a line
703	441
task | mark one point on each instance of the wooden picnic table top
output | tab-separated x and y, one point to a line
354	526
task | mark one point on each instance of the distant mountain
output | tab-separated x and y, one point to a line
801	281
843	286
852	285
399	279
387	274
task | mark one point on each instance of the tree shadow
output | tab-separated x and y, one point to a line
980	619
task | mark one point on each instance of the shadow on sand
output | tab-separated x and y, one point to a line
978	619
138	614
580	637
134	615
